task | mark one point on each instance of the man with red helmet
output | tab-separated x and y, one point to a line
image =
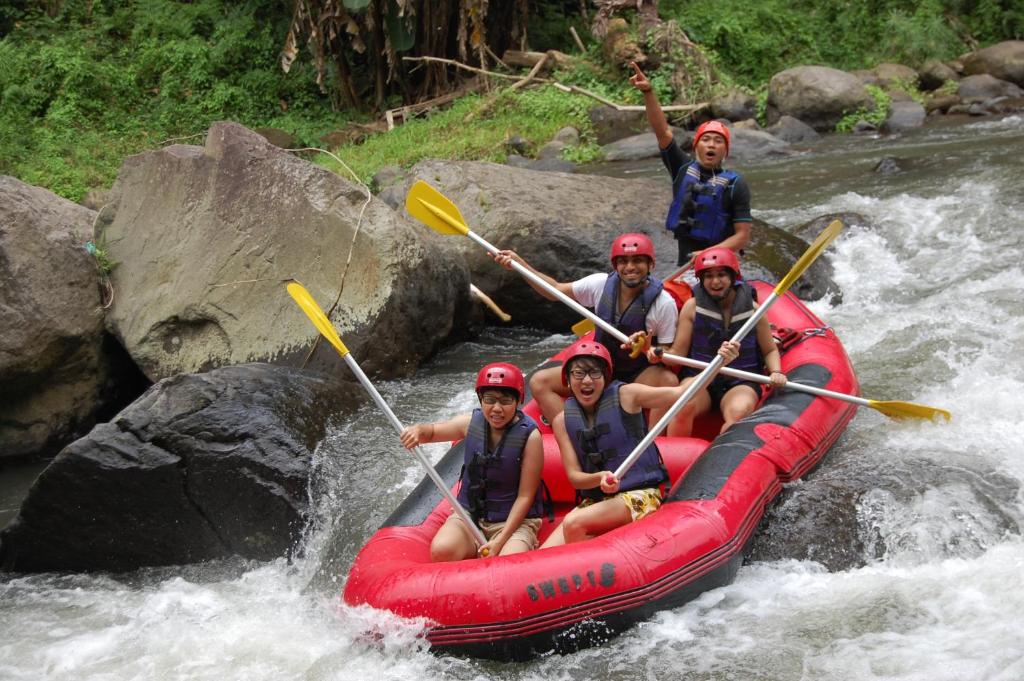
630	298
721	304
601	425
710	205
500	484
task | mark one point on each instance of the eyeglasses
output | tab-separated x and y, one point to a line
490	401
580	374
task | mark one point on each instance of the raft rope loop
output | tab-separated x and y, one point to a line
351	246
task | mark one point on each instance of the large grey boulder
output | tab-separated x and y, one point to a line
563	225
981	87
201	466
934	75
772	252
789	129
643	145
610	124
937	102
817	95
896	76
206	237
904	116
734	105
1004	61
853	512
54	370
747	145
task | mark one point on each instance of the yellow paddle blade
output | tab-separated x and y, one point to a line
317	316
903	410
433	209
583	327
823	240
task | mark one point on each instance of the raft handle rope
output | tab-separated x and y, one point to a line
787	338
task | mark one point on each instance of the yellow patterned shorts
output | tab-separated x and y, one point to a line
640	502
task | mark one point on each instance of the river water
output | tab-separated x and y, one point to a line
930	314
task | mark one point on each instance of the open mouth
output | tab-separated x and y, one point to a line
497	420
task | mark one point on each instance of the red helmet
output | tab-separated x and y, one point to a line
717	256
501	375
632	244
712	126
587	348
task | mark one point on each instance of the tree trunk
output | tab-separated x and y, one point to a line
346	86
379	57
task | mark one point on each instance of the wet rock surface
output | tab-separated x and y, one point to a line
207	236
58	368
563	225
847	514
201	466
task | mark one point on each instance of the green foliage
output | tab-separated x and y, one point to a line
910	89
587	151
100	80
754	39
103	262
874	116
475	127
104	80
661	83
950	87
761	107
750	39
920	35
549	26
593	75
989	21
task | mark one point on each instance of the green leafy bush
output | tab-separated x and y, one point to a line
874	116
103	80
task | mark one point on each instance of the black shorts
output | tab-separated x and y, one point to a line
723	384
628	376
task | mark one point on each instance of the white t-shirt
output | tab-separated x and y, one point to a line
661	318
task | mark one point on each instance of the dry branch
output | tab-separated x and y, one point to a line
460	65
530	59
626	107
533	72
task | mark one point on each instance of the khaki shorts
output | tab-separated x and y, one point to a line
526	532
640	502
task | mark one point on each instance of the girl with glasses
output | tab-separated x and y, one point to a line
500	484
601	425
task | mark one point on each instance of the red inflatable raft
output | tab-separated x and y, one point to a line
569	597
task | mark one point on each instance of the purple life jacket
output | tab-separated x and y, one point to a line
490	479
612	438
633	319
709	331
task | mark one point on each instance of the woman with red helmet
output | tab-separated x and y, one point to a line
629	297
500	484
710	205
721	304
601	425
